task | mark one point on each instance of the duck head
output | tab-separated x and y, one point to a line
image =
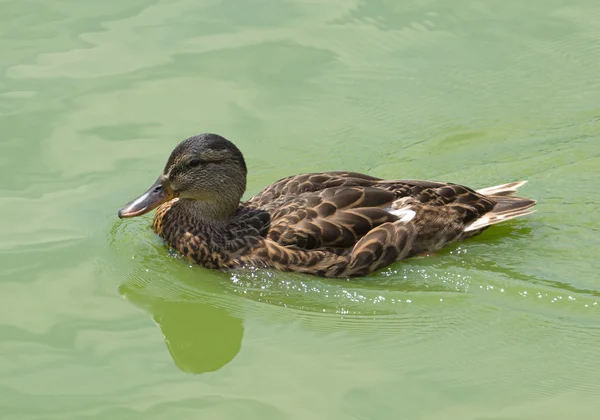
207	170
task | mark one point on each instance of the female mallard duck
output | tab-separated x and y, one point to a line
332	224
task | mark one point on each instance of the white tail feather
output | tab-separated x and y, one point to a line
503	189
493	218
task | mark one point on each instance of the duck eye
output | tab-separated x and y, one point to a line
194	163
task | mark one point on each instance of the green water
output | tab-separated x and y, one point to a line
99	321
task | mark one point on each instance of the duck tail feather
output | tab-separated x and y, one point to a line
503	189
507	208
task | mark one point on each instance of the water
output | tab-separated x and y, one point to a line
100	321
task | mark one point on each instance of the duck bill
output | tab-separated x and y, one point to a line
157	194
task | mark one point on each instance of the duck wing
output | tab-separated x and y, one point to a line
336	217
337	209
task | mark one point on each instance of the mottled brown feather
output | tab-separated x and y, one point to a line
332	224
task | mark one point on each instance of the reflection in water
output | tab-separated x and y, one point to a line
201	337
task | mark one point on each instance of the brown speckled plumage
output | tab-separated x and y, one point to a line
332	224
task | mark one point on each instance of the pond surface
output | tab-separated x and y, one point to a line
98	320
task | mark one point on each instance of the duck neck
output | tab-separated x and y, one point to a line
209	213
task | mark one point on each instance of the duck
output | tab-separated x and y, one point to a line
337	224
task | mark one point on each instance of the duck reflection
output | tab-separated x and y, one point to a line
201	337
